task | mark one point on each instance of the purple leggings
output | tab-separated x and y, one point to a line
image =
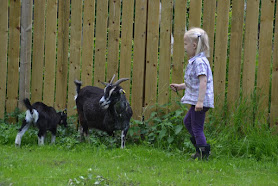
194	122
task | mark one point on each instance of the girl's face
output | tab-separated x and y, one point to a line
190	47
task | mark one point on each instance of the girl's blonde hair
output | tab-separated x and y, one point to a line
199	36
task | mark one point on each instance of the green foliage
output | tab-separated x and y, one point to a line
238	132
162	130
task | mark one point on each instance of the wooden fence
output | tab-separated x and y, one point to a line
46	44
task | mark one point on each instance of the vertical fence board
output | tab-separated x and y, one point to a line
221	41
75	52
126	43
178	52
88	42
265	51
25	52
101	40
274	87
165	51
139	58
151	57
13	57
50	52
209	25
195	12
250	47
113	38
235	53
3	54
38	51
62	54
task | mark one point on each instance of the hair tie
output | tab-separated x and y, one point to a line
198	35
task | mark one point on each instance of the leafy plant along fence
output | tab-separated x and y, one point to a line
46	44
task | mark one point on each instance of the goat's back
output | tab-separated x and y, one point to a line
46	113
87	103
88	93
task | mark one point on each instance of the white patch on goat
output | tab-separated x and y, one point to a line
32	117
75	97
111	91
104	103
122	140
20	134
53	137
41	140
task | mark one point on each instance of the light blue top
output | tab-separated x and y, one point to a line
198	65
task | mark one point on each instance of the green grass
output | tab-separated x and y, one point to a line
135	165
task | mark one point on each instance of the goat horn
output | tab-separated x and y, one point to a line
120	81
112	79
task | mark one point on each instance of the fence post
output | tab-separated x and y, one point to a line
13	58
25	51
3	54
139	58
62	54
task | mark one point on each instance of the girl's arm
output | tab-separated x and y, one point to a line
177	87
202	92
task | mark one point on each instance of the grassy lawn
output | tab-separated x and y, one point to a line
135	165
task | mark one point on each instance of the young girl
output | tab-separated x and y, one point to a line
198	85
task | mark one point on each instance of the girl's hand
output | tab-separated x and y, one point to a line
177	87
199	106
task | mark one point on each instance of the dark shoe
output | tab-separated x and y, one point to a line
202	152
197	154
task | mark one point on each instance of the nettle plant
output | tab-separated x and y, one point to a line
163	130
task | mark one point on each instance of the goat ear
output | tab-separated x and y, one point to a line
122	91
105	84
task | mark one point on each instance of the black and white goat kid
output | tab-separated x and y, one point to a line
103	109
44	118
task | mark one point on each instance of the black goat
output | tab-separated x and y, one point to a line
104	109
44	117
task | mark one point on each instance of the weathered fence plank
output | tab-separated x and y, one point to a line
139	58
250	48
50	52
178	51
265	51
235	53
151	57
126	43
220	59
75	53
165	51
101	42
113	38
62	54
13	57
38	51
209	25
3	54
25	52
88	42
195	12
274	87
